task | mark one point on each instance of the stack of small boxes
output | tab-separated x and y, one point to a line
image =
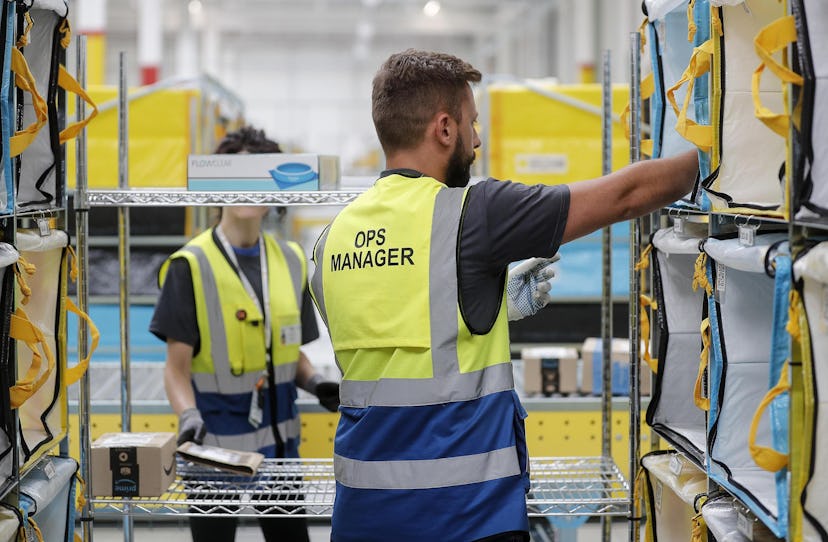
558	370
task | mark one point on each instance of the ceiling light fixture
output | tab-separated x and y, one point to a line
195	7
431	8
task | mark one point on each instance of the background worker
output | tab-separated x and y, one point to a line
431	441
234	310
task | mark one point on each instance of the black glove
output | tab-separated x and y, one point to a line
328	394
191	427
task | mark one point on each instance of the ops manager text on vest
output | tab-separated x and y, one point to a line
370	251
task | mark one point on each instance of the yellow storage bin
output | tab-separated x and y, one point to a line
537	139
165	126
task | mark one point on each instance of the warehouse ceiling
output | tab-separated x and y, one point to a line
281	20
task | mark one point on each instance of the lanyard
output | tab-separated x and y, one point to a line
231	255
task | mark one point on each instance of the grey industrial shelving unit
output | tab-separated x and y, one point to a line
560	486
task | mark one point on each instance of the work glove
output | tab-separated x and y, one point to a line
191	427
326	391
527	287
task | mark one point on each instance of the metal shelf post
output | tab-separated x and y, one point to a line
635	285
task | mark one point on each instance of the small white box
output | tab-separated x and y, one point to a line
262	172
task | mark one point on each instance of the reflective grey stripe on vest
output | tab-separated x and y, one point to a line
295	270
221	380
316	280
427	473
254	440
448	384
282	374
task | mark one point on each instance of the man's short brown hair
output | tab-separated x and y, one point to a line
413	86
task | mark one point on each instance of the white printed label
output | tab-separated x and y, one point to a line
659	491
678	225
675	465
747	236
721	281
49	470
542	163
745	525
291	334
43	227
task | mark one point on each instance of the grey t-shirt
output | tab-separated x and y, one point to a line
503	222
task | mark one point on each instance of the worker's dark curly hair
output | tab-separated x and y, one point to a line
247	139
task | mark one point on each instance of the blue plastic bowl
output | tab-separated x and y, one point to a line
292	173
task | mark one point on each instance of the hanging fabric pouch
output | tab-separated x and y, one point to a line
672	411
745	312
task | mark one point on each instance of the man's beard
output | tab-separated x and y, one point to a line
458	171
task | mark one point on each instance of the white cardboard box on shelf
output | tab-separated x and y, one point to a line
262	172
549	369
133	464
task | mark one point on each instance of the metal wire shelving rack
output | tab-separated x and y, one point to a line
560	486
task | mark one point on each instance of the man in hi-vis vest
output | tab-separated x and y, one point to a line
411	279
234	310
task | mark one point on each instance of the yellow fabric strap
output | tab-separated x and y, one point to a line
65	33
700	275
24	37
73	263
70	84
698	397
647	90
80	492
691	24
765	456
642	31
23	330
698	529
771	39
36	529
716	22
699	135
795	313
29	269
647	303
73	374
25	81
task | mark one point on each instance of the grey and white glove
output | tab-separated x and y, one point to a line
191	427
527	287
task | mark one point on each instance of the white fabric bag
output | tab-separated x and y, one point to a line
742	325
674	488
672	411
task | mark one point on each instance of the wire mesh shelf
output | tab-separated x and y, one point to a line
305	488
176	198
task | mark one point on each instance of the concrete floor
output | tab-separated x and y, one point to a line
178	531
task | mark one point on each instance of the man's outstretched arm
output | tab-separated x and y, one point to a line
630	192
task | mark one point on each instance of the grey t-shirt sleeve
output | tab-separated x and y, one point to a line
175	313
504	222
310	330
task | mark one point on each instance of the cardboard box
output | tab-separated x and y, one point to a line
133	464
592	356
549	370
262	172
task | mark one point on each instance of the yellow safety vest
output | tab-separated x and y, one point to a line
232	353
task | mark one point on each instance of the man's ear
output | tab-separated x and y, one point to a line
444	129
